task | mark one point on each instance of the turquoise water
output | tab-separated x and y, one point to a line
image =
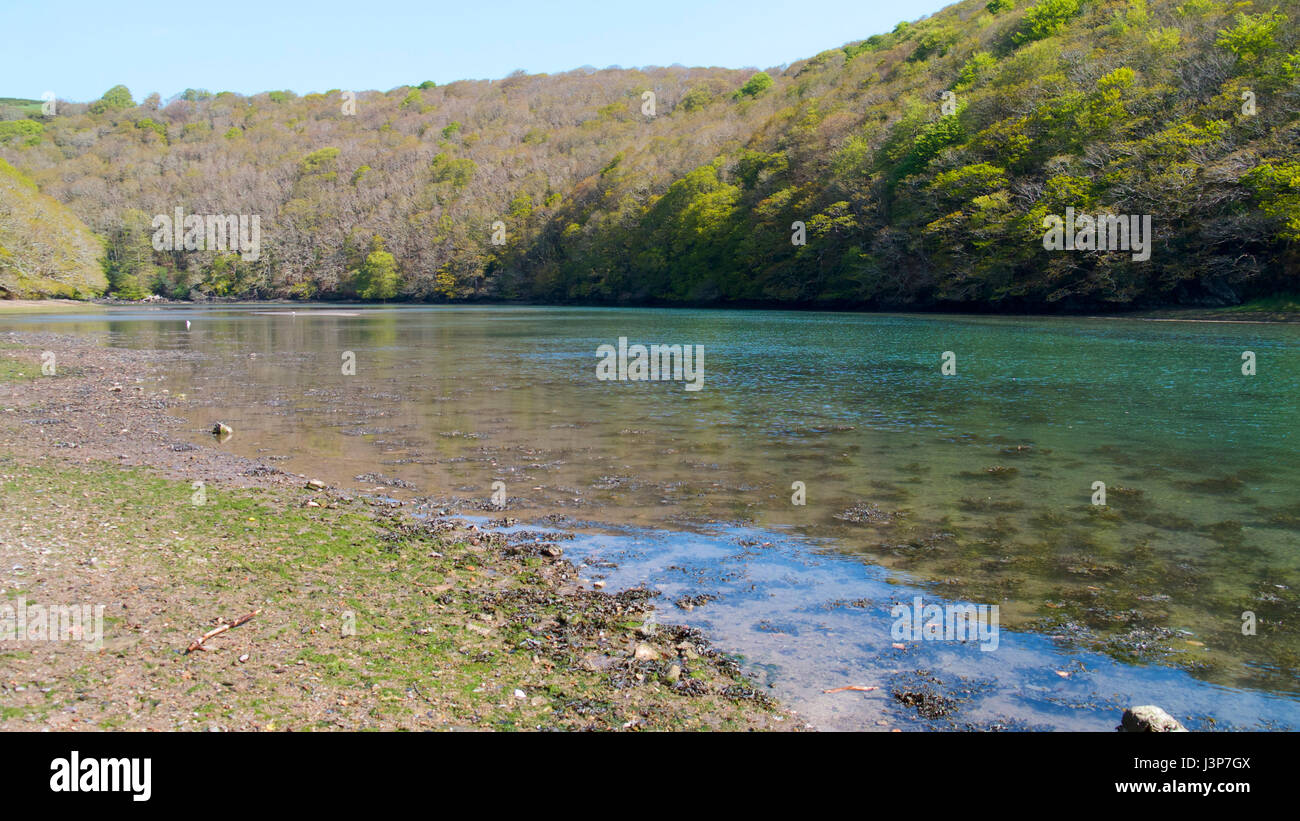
976	486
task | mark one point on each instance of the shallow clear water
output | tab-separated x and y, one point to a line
976	486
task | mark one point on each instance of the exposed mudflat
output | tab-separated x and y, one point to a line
366	618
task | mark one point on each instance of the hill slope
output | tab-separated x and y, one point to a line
45	251
921	165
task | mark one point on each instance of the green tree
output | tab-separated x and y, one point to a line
979	66
116	98
932	139
26	131
697	98
154	126
756	85
458	172
378	278
1044	19
1253	36
1277	189
129	257
321	161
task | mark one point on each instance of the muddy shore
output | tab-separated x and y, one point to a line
366	617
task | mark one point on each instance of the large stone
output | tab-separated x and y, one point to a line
1149	719
645	652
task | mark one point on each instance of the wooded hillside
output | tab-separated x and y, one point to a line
1185	110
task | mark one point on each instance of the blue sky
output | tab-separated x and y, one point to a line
79	48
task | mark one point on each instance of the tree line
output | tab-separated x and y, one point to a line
912	169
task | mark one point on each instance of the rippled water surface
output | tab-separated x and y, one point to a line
976	486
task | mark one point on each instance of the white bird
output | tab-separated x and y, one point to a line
187	324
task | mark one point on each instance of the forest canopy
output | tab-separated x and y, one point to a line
45	251
917	167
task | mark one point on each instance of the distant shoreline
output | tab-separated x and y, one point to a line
16	305
1240	314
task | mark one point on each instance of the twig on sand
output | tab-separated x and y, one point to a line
216	631
857	688
421	694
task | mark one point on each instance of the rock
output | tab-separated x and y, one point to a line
316	484
645	652
674	672
598	585
221	429
1149	719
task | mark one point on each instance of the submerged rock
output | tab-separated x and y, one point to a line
867	513
1149	719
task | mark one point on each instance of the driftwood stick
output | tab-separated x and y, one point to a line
216	631
421	694
854	688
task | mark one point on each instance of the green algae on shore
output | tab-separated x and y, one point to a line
367	619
